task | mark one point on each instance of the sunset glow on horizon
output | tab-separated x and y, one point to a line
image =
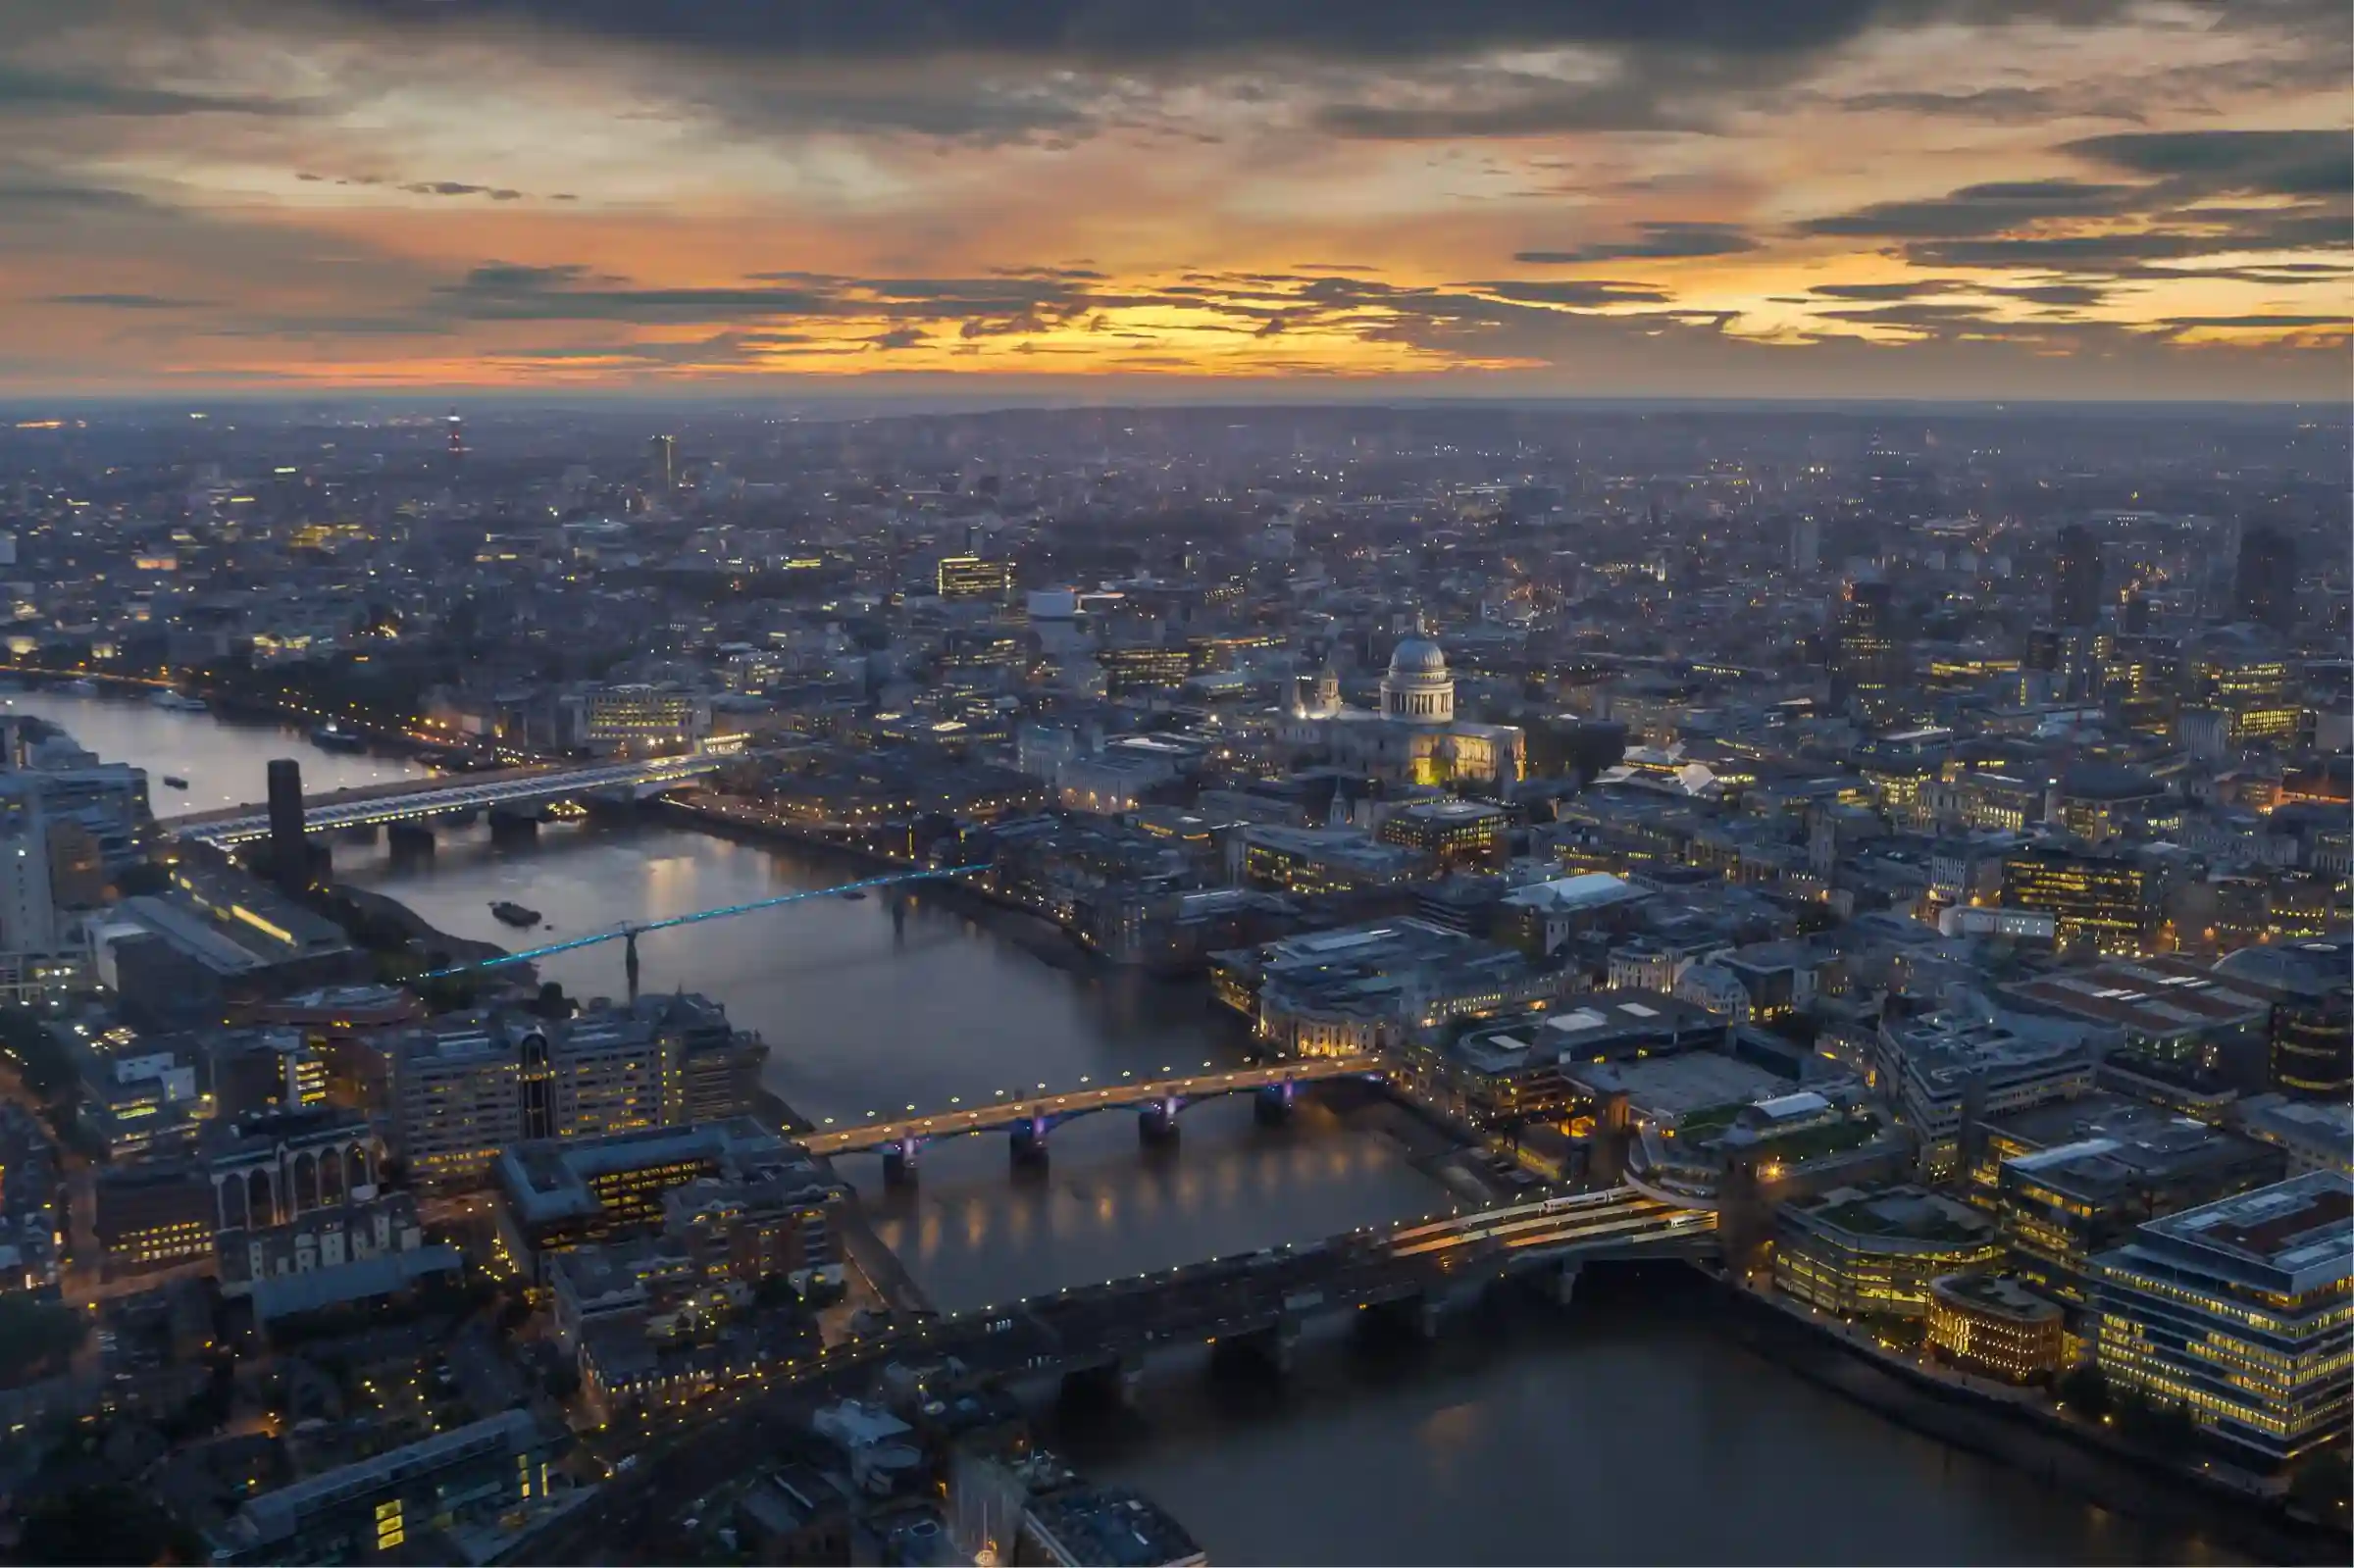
1686	198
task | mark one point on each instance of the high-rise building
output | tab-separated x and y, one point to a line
662	463
968	576
29	920
290	855
1806	543
2237	1311
2076	577
1866	659
2098	903
2266	581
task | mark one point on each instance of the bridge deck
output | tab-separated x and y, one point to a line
409	800
956	1119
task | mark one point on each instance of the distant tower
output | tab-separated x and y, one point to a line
2076	577
1806	544
1866	659
456	440
2266	588
290	855
662	463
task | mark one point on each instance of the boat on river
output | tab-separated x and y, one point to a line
514	914
331	736
173	781
175	702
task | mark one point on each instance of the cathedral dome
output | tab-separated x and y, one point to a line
1418	691
1417	656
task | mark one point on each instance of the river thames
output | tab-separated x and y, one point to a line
1622	1431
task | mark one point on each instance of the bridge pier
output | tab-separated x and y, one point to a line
1561	1282
1029	1143
1119	1380
899	1161
1271	1103
409	839
512	824
1276	1346
1157	1122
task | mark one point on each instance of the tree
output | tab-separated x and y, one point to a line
36	1334
104	1523
2085	1387
2321	1482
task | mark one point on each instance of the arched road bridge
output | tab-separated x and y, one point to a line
1031	1117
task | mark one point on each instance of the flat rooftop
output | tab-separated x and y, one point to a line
1670	1088
2154	997
2303	1227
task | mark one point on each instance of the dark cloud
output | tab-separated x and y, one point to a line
40	190
1534	107
2057	294
2003	105
452	187
2185	324
1923	289
1658	240
1915	315
1128	31
128	301
2119	254
40	92
1977	209
1581	293
2282	162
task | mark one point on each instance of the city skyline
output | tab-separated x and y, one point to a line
2024	200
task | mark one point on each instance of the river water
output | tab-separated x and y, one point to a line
1624	1430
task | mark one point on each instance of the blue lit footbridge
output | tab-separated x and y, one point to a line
419	802
1029	1118
629	932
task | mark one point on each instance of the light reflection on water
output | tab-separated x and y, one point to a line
1599	1438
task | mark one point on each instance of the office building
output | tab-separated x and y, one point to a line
477	1476
2076	577
2267	580
2243	1311
1129	671
968	576
661	463
290	850
2312	1024
458	1100
633	721
472	1084
559	1193
2098	903
2176	1014
1374	987
2070	1178
1947	1075
153	1214
1994	1326
1859	1253
1454	835
1866	657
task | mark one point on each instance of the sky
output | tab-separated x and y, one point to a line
1589	198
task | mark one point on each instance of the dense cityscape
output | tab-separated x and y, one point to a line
1872	882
